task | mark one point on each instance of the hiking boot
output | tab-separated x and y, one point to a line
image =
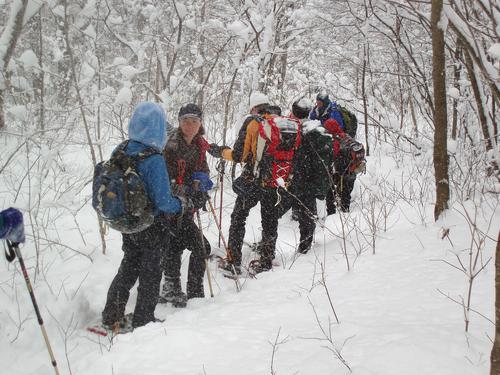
172	293
124	325
304	250
227	267
330	210
258	266
195	290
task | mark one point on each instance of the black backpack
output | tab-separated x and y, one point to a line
352	160
314	160
118	193
350	121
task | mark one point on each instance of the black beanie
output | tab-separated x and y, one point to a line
190	110
323	97
300	108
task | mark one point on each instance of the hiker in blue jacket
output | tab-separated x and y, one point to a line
142	250
326	109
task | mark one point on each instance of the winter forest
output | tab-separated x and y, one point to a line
402	284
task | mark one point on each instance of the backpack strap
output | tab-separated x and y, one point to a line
181	171
144	154
270	138
120	149
265	130
203	147
140	156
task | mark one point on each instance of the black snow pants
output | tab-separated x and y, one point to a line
275	203
141	261
241	210
186	235
342	189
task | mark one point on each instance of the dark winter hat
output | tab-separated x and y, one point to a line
323	97
190	110
301	108
274	110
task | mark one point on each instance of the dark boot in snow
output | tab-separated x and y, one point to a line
195	290
172	293
304	249
124	325
230	268
258	266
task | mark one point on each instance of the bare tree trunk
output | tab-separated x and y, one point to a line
15	33
82	110
481	110
495	352
40	77
282	77
494	120
178	43
440	113
365	105
456	79
411	104
200	98
399	74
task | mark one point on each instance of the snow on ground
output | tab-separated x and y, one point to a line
394	316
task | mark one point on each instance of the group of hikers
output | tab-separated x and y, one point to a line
287	163
155	183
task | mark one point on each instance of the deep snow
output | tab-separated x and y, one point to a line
393	313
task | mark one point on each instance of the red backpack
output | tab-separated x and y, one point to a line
279	138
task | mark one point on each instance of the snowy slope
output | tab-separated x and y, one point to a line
394	317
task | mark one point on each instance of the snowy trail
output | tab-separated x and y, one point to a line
393	319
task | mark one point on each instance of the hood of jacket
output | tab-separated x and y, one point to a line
148	125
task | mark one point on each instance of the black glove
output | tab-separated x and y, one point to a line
199	200
187	206
216	151
178	190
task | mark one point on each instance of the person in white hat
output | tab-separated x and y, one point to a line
245	186
257	101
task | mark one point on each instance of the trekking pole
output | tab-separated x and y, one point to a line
228	252
222	168
209	278
196	187
14	249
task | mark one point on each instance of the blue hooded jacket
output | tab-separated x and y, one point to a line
147	128
327	111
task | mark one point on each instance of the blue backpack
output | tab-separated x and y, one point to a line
118	193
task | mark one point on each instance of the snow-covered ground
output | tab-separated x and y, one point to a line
394	306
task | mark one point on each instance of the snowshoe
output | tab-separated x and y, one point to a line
229	268
124	325
253	246
259	266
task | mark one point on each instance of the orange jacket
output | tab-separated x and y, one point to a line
244	150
